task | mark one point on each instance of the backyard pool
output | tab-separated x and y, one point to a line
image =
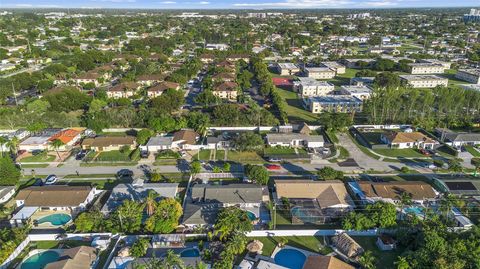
40	260
251	216
57	219
191	252
290	258
416	210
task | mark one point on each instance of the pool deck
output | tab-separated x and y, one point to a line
37	251
305	252
40	214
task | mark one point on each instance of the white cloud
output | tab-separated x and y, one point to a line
204	3
298	3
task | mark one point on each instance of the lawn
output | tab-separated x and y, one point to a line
344	79
35	165
279	151
473	151
344	154
384	259
452	80
373	138
295	110
113	156
203	155
310	243
102	184
396	153
244	156
38	158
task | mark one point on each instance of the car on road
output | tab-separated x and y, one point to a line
274	160
51	179
80	155
273	167
124	173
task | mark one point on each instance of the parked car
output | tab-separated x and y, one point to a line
124	173
80	155
424	152
274	160
51	179
273	167
144	154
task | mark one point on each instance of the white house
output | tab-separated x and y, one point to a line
295	140
403	140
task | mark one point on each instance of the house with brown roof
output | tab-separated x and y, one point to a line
207	58
109	143
123	90
224	76
325	262
226	90
238	57
149	80
161	87
392	192
82	257
185	139
314	201
56	197
404	140
346	245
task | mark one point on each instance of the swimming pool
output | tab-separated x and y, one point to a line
251	216
57	219
414	210
40	260
191	252
290	258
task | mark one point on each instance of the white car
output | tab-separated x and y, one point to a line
51	179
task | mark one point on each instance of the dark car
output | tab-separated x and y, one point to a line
144	154
124	173
80	155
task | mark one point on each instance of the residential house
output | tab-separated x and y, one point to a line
319	72
149	80
286	69
218	142
424	81
404	140
309	87
109	143
224	76
335	66
226	90
6	192
38	141
295	140
346	245
69	137
361	92
91	77
158	89
391	192
158	143
205	202
82	257
238	57
385	242
325	262
168	241
333	103
220	47
138	191
207	58
314	201
458	139
186	139
56	197
123	90
471	75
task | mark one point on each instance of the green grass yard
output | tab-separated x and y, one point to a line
113	156
398	153
310	243
279	151
294	109
473	151
384	259
244	156
344	79
38	158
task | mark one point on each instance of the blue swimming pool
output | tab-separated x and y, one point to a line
57	219
414	210
191	252
251	216
290	258
40	260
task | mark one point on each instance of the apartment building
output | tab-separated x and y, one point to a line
286	69
361	92
446	65
425	68
470	75
424	81
337	67
320	72
333	103
307	87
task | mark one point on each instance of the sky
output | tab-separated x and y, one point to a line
236	4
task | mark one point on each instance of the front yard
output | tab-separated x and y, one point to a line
244	157
295	110
399	153
473	151
38	158
310	243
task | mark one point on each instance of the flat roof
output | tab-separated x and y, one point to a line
422	77
307	81
319	69
471	71
287	65
25	213
35	140
335	99
356	89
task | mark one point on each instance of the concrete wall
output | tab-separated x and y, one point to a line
310	233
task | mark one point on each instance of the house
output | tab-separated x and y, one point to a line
325	262
335	66
295	140
224	76
82	257
307	87
458	139
385	242
346	245
361	92
314	201
220	47
319	72
404	140
138	191
69	137
6	192
207	58
391	192
34	143
109	143
425	68
158	143
56	197
168	241
218	142
424	81
123	90
226	90
286	69
333	103
158	89
149	80
238	57
226	65
91	77
205	202
471	75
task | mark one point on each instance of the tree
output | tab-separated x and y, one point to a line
128	217
139	248
257	173
387	80
198	121
57	144
195	167
328	173
143	136
336	121
248	141
171	100
367	260
9	172
226	167
232	220
89	221
402	263
172	261
165	219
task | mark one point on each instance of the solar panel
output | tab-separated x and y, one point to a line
461	186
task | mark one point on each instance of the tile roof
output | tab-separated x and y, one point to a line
189	136
325	262
393	190
65	136
402	137
54	196
105	141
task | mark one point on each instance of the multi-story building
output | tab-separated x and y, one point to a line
312	87
287	69
123	90
320	72
470	75
473	16
361	92
337	67
446	65
425	68
424	81
226	90
333	103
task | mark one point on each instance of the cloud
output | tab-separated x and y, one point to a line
167	2
298	3
204	3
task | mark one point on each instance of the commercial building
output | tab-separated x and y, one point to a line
307	87
470	75
424	81
319	72
426	68
333	103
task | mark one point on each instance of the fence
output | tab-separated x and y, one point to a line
265	233
15	253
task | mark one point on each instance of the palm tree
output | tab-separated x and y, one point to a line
150	202
172	261
3	141
56	144
367	260
13	145
402	263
